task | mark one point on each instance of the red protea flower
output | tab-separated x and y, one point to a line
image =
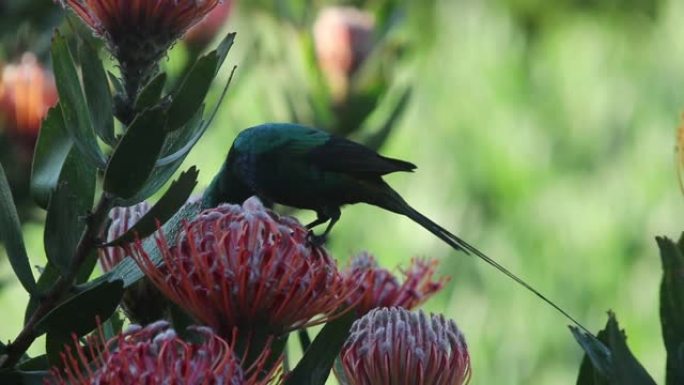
247	267
138	32
27	91
155	355
343	38
380	288
393	346
204	32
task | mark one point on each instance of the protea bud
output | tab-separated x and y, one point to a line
343	38
142	302
245	267
27	91
380	288
393	346
139	32
155	355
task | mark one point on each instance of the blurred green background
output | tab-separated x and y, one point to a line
544	133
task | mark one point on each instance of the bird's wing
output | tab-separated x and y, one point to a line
341	155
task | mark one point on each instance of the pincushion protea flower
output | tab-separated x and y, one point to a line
393	346
155	355
138	32
142	302
27	91
380	288
246	267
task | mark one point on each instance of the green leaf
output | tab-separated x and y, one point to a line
19	377
672	307
175	197
68	208
612	361
52	148
175	140
78	314
55	343
11	236
150	95
35	363
74	108
191	93
314	367
47	278
97	93
134	158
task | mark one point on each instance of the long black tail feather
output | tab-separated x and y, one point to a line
399	205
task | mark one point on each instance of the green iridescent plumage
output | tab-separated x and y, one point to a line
310	169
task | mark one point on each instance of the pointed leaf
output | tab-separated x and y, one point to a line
74	108
136	154
52	148
78	314
611	358
11	236
97	93
151	93
47	278
161	174
190	96
175	197
672	307
69	206
314	367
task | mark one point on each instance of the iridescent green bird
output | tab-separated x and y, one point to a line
306	168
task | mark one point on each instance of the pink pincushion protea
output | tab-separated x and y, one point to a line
138	32
393	346
380	288
155	355
246	267
123	218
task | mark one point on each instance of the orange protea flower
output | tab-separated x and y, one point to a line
245	267
138	32
395	346
155	355
27	91
380	288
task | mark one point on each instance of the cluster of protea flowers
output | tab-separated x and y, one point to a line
395	346
27	91
138	33
156	355
380	288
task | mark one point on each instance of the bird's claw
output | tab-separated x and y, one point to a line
316	240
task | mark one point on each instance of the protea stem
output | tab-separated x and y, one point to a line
51	299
